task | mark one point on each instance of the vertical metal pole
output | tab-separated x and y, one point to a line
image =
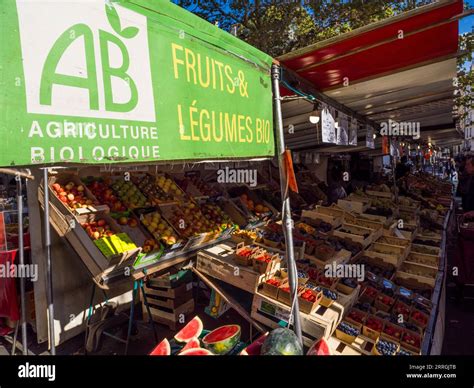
21	250
286	216
49	279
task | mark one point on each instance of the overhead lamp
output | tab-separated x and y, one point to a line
314	119
375	136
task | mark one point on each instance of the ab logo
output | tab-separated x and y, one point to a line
86	59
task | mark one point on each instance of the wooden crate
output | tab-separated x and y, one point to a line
166	292
217	261
342	256
396	253
424	274
170	317
352	206
317	215
431	261
392	240
321	323
425	249
356	234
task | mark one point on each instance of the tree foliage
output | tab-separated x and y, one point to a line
280	26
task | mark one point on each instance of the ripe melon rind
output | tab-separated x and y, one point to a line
225	345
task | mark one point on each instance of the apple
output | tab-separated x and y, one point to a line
57	187
70	197
101	222
123	220
132	223
80	188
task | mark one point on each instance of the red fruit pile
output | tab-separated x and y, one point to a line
313	273
105	195
419	317
72	195
308	295
386	300
245	252
403	309
285	289
325	281
393	331
265	257
412	339
98	229
274	282
356	316
371	292
374	324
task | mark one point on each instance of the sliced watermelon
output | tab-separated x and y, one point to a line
223	339
192	344
319	348
192	330
255	347
196	352
162	349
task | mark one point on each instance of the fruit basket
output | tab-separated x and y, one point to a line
376	265
70	192
383	302
284	293
334	218
411	341
423	259
115	246
101	189
421	273
244	254
419	318
156	194
392	331
329	296
368	295
402	309
348	332
264	262
129	194
425	250
385	347
159	229
359	234
270	287
166	183
356	316
309	300
392	254
373	327
347	286
246	236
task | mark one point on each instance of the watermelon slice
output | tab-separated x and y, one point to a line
192	344
196	352
255	347
319	348
162	349
223	339
192	330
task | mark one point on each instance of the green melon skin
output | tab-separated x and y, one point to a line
223	347
281	342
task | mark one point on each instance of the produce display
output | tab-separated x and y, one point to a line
348	329
159	228
129	194
374	323
98	229
193	329
102	190
148	186
356	316
196	187
254	207
386	348
73	196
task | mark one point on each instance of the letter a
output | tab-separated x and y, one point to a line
49	76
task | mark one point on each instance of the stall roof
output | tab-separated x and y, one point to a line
401	68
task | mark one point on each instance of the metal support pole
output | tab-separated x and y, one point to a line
286	211
49	279
21	251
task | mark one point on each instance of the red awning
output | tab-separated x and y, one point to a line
428	33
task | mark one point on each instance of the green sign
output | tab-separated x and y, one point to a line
94	81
